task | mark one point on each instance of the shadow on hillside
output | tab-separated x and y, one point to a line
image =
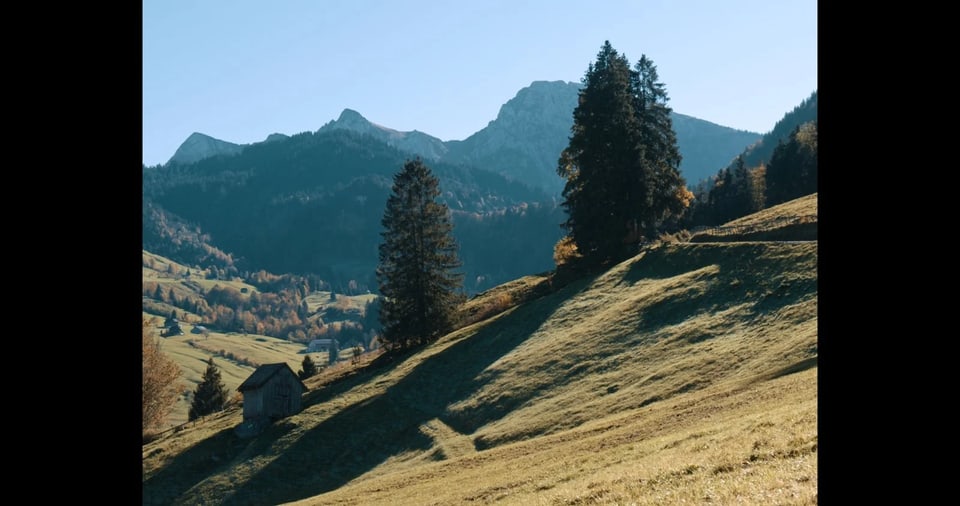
744	274
191	467
358	439
669	261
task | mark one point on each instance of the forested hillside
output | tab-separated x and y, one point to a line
780	167
312	203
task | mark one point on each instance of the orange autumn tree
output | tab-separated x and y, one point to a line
160	386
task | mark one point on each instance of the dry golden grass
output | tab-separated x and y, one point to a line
320	300
803	206
746	444
685	374
500	298
795	220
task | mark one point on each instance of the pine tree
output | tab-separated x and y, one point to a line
622	161
665	189
604	144
418	258
308	368
160	386
211	394
720	198
742	194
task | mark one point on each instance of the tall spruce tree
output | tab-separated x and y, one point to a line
211	394
742	191
417	274
665	189
622	160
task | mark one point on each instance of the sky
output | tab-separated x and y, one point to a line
240	70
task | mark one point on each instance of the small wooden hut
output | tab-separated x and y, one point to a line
272	391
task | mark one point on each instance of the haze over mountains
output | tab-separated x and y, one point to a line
311	203
523	142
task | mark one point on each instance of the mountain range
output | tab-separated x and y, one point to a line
523	142
311	203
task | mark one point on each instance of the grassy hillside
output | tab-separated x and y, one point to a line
803	206
687	373
795	220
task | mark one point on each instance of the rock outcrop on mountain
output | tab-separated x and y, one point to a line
523	143
427	146
276	137
525	140
200	146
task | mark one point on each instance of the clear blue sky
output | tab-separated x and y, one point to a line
240	70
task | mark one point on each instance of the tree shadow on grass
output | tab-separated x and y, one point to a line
670	261
744	274
190	467
361	437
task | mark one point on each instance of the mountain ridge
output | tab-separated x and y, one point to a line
199	146
525	138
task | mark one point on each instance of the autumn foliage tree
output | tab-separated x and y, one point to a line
160	385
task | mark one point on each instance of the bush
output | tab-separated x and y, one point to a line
680	236
565	252
308	368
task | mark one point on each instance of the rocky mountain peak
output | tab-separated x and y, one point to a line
276	137
419	143
349	116
199	146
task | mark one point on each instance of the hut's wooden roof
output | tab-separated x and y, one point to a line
263	374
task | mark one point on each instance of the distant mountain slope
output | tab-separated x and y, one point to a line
428	147
687	372
707	147
199	146
761	151
525	140
312	203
